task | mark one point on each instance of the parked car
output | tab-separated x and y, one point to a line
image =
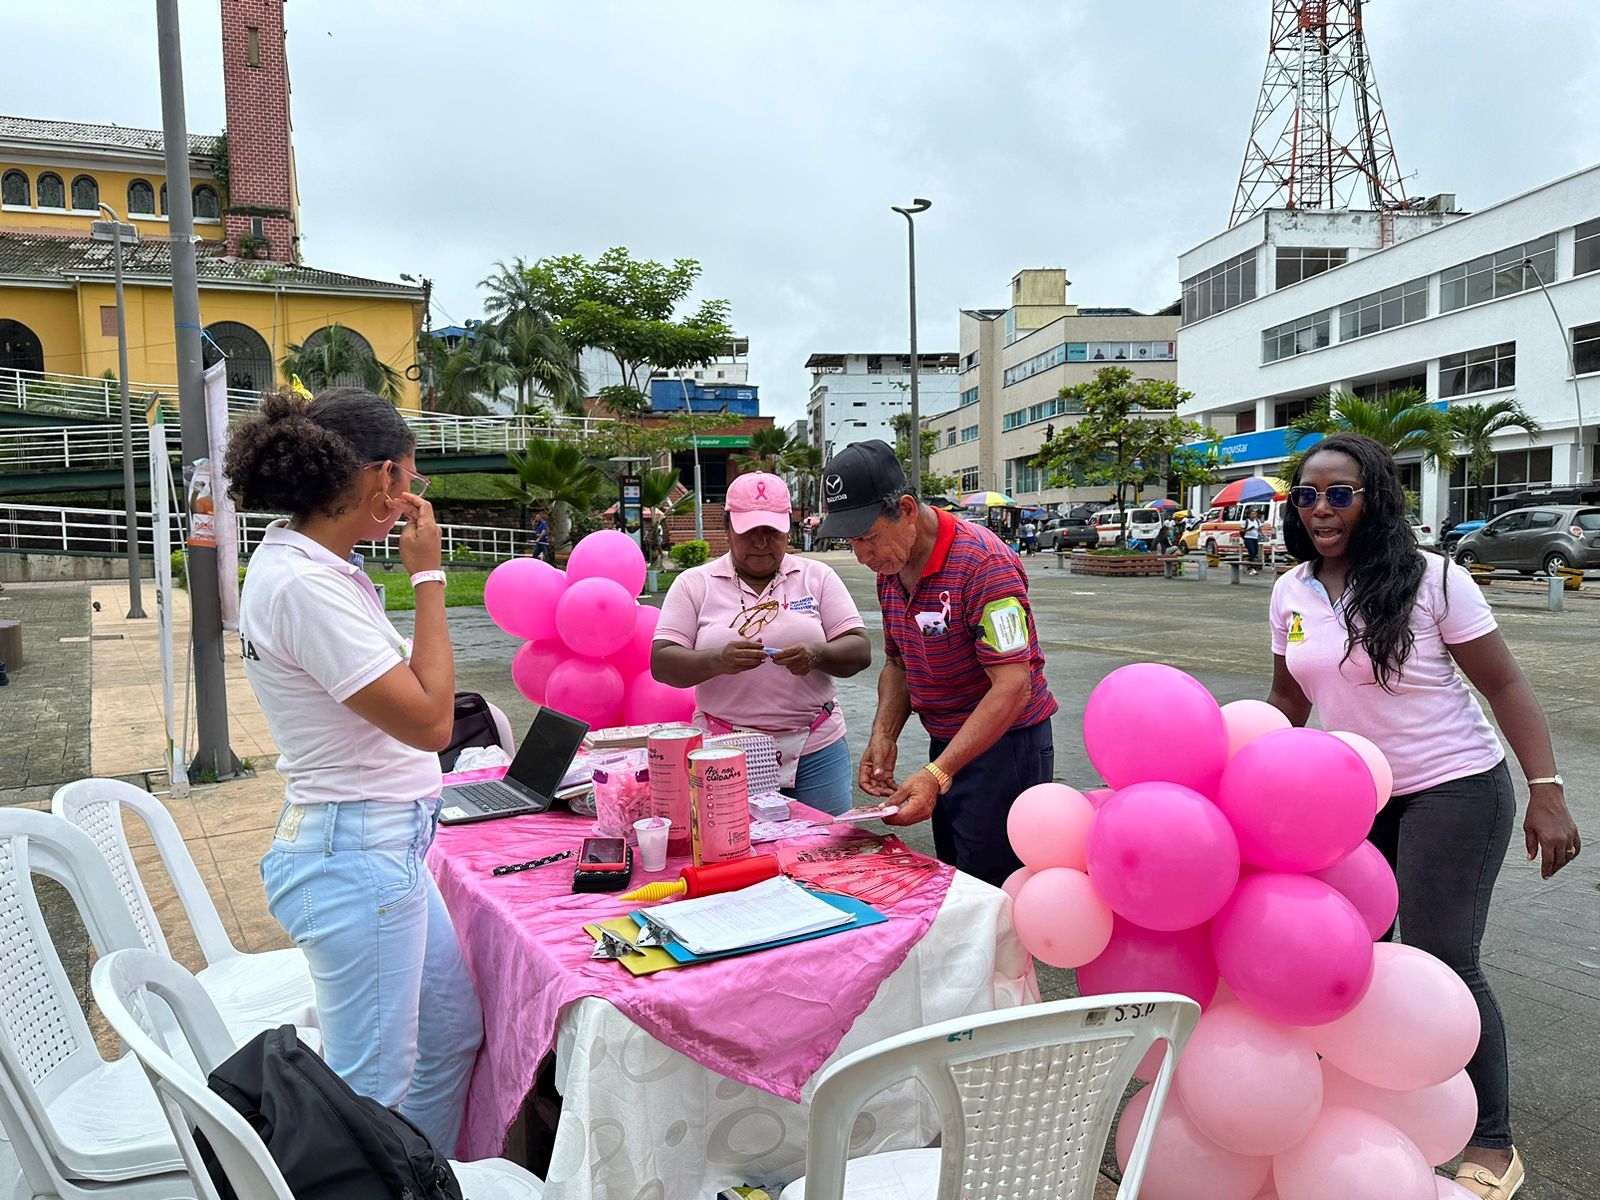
1546	538
1424	534
1507	502
1069	533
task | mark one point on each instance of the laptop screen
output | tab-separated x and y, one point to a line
546	752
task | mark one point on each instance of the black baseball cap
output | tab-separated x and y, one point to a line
855	484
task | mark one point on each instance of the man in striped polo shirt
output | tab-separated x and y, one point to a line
960	651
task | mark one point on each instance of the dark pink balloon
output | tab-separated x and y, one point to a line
1365	878
634	656
1299	799
587	688
1163	856
521	596
1128	704
1148	960
649	701
531	666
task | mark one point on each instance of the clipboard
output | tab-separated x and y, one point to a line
862	914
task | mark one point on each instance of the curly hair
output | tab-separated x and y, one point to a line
1386	567
296	457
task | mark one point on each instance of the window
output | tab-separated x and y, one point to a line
1031	367
970	396
249	359
1586	348
14	189
1022	476
1543	518
969	434
52	192
1220	288
164	200
950	439
1499	274
1513	471
1382	389
1480	370
971	360
1586	248
1295	263
969	479
1121	351
1388	309
252	46
206	205
85	194
1296	337
141	198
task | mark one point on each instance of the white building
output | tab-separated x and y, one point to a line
600	369
1288	305
855	397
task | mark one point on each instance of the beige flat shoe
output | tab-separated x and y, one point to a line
1480	1181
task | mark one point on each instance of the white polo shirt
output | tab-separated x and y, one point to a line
313	634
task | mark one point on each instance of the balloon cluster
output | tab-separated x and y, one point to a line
587	648
1227	861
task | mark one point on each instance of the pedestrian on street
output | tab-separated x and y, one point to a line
1030	537
541	536
961	652
1251	533
1370	630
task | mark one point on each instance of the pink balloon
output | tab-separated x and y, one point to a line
1250	1085
1014	882
649	701
1163	856
521	596
634	656
531	666
1184	1164
1449	1189
595	617
1193	745
1365	878
586	688
1439	1119
1416	1026
1147	960
1049	826
1293	949
1353	1155
1060	919
1249	719
1382	776
608	554
1150	1065
1099	796
1299	799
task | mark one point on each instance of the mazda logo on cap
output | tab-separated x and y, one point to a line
834	485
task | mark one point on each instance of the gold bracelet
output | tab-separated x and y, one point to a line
940	774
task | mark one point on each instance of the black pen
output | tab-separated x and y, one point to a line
511	868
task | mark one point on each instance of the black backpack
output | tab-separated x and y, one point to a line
329	1142
474	726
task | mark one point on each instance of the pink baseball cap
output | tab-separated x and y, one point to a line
758	499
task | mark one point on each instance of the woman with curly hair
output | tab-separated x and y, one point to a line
359	714
1370	630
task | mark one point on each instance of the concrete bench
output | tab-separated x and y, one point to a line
11	644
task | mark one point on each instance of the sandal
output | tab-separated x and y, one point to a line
1478	1179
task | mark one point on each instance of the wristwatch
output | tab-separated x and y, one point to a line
1555	779
940	774
427	577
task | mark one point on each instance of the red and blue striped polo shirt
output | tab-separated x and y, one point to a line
970	611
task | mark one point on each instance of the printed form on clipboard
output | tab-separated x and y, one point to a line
765	912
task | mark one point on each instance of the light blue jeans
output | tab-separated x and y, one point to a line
822	779
349	885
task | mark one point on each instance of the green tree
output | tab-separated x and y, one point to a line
1401	421
336	358
656	488
805	469
1475	426
769	451
932	484
559	474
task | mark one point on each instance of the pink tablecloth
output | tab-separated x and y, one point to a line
768	1020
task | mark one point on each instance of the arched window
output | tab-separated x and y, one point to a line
14	189
85	194
19	351
52	192
356	345
205	202
141	198
163	199
249	359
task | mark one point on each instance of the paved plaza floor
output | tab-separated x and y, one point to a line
88	700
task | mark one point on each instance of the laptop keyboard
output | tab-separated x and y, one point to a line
491	797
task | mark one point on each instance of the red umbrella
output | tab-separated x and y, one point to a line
1252	487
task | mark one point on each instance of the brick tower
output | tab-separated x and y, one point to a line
263	214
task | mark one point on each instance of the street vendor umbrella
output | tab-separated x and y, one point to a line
1252	487
988	500
1169	505
1034	514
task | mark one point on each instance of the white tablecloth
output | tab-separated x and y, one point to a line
642	1122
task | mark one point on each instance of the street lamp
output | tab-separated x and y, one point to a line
1572	365
117	232
694	441
914	436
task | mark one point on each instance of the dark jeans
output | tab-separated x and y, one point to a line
969	822
1252	551
1446	845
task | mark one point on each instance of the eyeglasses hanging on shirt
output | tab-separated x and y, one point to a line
753	619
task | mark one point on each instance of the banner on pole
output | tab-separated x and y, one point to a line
161	541
225	524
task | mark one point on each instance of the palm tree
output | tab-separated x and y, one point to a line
805	463
557	474
475	371
1475	426
337	358
769	450
541	362
1401	421
511	291
655	490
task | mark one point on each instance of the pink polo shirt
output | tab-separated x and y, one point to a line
1430	727
809	603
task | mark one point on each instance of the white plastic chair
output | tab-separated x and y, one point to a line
1026	1099
123	983
79	1126
253	991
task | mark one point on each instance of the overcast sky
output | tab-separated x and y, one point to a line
768	139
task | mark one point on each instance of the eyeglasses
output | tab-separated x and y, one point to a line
416	484
1339	495
751	621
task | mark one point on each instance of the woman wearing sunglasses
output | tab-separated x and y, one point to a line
761	635
358	714
1370	631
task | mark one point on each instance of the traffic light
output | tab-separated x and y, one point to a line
1049	433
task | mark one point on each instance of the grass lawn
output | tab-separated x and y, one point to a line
464	589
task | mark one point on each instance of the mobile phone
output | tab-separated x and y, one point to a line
603	854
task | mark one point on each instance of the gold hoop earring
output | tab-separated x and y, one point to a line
388	506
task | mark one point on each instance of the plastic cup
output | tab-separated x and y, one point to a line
652	835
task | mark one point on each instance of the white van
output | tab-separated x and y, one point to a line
1219	532
1137	524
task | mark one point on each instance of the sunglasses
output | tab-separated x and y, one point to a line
1339	495
416	484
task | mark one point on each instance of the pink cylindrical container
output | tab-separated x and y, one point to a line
669	748
720	799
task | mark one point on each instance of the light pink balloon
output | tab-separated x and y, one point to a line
531	666
1014	882
595	617
1150	1065
1148	960
1193	742
635	653
521	596
1365	878
1439	1119
1049	826
1060	919
1099	796
1416	1026
1449	1189
586	688
1163	856
1184	1164
1247	720
1293	949
1353	1155
608	554
1250	1085
1299	799
649	701
1382	775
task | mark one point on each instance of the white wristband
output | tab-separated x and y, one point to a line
427	577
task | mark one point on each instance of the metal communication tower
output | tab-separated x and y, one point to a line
1319	130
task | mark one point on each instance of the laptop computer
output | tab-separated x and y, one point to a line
531	781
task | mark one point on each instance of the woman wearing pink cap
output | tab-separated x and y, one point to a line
761	635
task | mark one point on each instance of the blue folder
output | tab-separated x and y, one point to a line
862	912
